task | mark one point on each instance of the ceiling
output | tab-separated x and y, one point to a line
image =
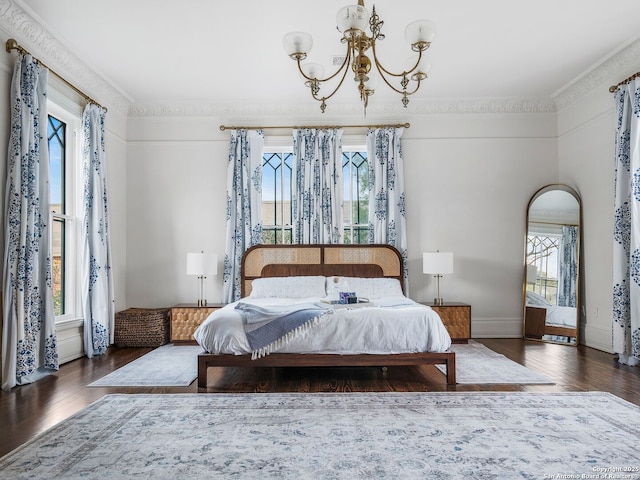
169	51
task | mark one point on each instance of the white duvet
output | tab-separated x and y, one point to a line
558	316
390	325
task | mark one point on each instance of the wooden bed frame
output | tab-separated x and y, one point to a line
368	261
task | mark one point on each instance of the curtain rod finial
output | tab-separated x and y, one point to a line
11	45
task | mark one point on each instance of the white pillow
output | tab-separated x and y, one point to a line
536	300
288	287
364	287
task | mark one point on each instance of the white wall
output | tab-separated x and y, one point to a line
468	180
176	203
116	150
586	131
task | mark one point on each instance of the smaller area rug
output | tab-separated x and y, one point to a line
478	364
449	435
166	366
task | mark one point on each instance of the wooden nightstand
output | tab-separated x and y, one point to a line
456	317
186	317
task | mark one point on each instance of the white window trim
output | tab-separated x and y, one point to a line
70	113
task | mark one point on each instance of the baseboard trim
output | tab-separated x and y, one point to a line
496	328
597	338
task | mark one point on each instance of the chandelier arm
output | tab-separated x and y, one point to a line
344	75
414	90
401	92
344	64
382	69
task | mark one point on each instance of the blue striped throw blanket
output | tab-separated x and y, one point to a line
269	328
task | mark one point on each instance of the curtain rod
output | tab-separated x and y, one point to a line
626	80
400	125
13	45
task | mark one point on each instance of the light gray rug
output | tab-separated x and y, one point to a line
166	366
452	435
478	364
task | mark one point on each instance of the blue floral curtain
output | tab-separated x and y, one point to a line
29	347
568	274
387	222
244	204
317	195
626	236
97	279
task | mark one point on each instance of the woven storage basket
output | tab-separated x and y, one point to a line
142	327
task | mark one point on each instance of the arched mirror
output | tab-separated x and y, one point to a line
552	260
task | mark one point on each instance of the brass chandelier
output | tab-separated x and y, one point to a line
352	22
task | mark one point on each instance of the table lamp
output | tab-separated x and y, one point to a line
437	264
202	264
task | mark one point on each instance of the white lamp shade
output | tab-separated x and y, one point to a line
423	67
352	17
532	274
420	31
437	263
199	263
313	70
297	42
372	82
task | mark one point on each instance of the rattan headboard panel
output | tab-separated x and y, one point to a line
299	260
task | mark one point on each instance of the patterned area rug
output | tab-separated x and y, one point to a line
452	435
478	364
166	366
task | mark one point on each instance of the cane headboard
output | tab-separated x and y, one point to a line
369	261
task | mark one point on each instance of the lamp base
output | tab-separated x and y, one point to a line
438	301
202	302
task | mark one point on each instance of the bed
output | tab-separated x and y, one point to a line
313	274
542	318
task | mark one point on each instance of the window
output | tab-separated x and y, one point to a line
62	128
277	167
277	185
542	251
355	210
57	142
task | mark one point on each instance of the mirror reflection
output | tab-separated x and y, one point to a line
551	285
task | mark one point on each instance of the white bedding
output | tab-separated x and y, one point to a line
391	325
556	316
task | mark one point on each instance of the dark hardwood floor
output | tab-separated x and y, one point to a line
29	410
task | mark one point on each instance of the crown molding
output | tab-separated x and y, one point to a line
30	34
619	64
308	108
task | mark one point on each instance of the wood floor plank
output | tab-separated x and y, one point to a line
31	409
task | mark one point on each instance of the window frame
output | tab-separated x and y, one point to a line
284	144
353	226
546	285
71	115
278	145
